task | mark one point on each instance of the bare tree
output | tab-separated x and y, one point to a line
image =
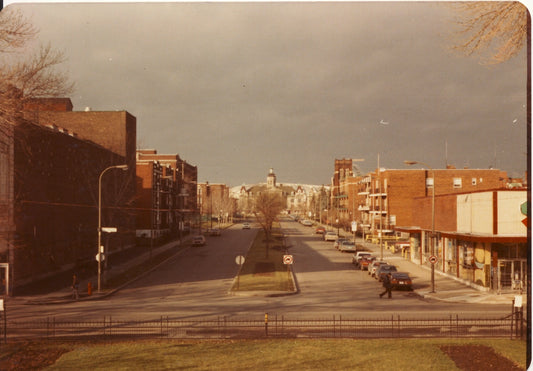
24	77
268	205
496	30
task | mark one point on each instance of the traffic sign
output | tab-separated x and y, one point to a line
239	260
100	257
287	259
433	259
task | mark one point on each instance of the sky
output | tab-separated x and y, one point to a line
238	88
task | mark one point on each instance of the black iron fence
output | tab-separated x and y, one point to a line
512	326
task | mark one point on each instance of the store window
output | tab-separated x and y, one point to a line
457	183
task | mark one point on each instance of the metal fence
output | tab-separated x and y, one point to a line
512	326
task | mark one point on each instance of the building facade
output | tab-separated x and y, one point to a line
166	193
56	183
481	237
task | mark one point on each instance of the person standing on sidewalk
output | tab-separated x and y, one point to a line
387	285
75	286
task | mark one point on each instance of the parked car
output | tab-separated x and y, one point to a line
365	262
213	232
383	270
198	240
320	230
374	266
338	242
307	223
347	246
358	255
401	280
246	226
330	236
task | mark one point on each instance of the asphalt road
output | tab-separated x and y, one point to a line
195	283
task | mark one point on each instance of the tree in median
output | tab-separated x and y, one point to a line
268	205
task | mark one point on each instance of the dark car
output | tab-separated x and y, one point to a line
383	270
320	230
401	280
213	232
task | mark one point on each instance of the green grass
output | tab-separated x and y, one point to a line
275	354
262	271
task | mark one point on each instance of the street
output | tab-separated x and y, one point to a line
194	284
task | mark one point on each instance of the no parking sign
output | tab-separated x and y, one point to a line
287	259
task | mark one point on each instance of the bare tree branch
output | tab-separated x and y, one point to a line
495	30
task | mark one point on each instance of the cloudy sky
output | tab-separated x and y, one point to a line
238	88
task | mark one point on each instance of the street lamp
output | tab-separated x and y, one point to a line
432	218
99	255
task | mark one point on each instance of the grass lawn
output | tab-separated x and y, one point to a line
262	271
268	354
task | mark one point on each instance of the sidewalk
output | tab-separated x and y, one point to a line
447	288
65	295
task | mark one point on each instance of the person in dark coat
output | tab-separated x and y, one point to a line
387	285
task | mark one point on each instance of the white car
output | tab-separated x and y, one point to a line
307	223
246	226
198	240
330	236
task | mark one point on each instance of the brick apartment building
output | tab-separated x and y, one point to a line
166	195
57	156
385	197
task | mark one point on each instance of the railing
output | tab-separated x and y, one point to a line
512	326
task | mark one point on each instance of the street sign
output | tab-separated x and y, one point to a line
354	226
287	259
239	260
100	257
109	229
433	259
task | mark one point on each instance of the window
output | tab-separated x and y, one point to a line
429	182
474	181
457	183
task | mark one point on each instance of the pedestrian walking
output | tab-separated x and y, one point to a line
387	285
75	286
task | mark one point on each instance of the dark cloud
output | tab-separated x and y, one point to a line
236	88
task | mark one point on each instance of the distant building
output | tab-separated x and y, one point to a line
166	194
214	201
301	199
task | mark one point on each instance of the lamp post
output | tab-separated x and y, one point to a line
432	218
99	255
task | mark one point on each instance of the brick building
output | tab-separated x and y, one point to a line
214	201
58	156
166	195
481	237
385	197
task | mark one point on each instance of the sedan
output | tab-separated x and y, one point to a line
307	223
198	240
246	226
374	266
213	232
320	230
383	270
347	246
330	236
365	262
338	242
401	280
